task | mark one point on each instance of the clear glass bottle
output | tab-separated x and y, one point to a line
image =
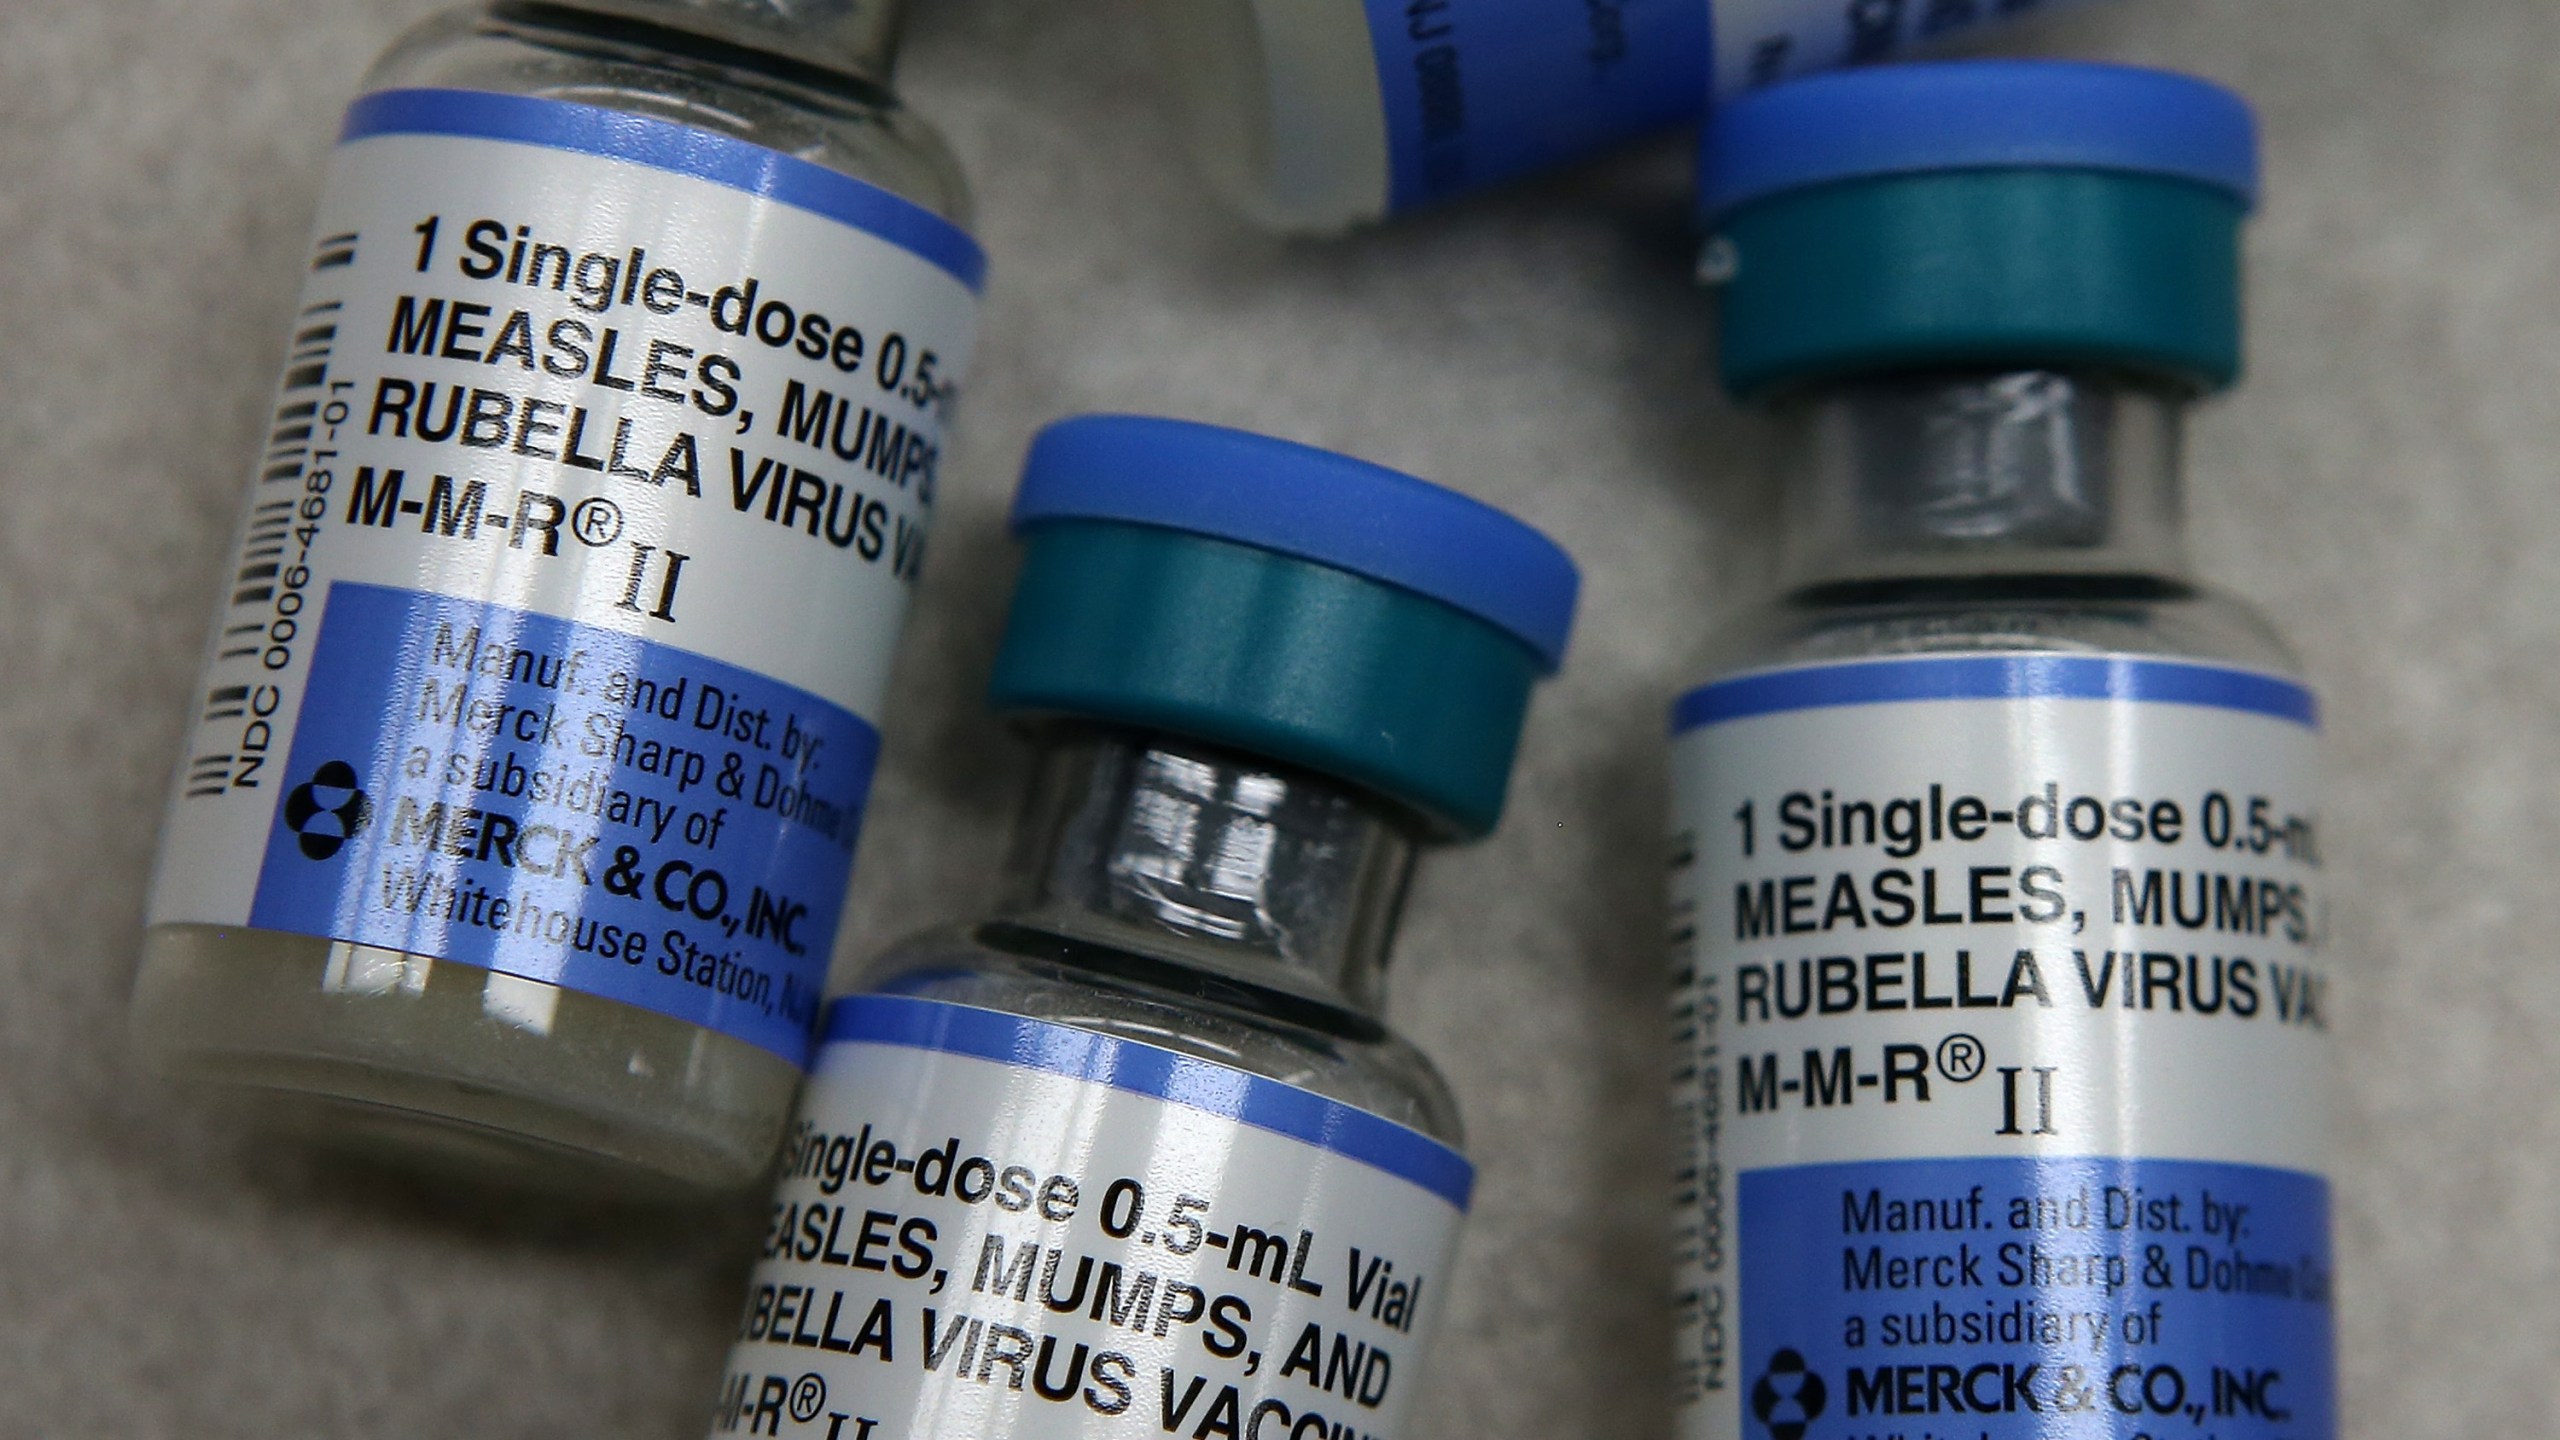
808	78
1140	1144
497	1072
1284	113
1252	932
1314	116
1998	943
1965	512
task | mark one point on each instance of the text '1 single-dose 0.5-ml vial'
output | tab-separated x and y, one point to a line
1136	1156
1317	115
516	816
2001	1002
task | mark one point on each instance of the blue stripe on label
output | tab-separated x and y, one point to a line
1996	677
680	149
2018	1299
1148	1070
1478	91
571	805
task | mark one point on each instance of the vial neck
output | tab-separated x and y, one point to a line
1957	475
853	37
1209	861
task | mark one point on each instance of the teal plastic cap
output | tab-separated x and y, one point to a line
1980	214
1283	601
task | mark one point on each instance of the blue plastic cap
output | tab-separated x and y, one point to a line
1316	505
1284	602
1980	214
1976	115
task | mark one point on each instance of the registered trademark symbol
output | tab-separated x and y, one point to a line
808	1397
1960	1058
596	521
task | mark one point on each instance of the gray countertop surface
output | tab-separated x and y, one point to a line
2382	486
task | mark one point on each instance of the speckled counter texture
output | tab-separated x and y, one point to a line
2384	486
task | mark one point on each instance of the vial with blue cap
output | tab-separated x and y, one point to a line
1319	115
2001	998
1136	1153
540	703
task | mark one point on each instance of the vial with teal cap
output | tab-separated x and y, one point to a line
2001	1001
1318	115
521	786
1136	1154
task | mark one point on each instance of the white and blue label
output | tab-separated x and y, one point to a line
1762	42
1479	91
569	805
561	616
2001	1022
2036	1298
992	1225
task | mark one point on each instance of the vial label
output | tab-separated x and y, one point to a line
990	1225
1479	91
2001	1040
562	612
1761	42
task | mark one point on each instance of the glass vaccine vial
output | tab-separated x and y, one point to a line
1136	1153
2000	990
515	821
1319	115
